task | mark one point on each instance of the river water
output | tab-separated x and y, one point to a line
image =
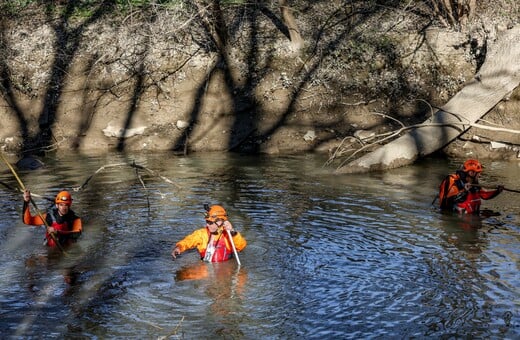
328	256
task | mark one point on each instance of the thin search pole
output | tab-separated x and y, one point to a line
233	246
503	188
512	190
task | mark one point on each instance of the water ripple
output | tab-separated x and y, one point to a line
347	257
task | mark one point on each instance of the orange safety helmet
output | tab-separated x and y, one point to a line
216	212
472	165
64	197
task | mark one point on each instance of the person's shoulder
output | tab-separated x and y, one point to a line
51	211
458	173
199	232
72	214
450	178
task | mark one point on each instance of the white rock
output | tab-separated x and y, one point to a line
112	131
310	136
497	145
182	124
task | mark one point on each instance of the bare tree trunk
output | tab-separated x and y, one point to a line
499	75
472	8
465	10
438	13
454	12
449	12
290	21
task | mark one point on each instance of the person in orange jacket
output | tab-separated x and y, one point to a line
461	191
213	242
60	220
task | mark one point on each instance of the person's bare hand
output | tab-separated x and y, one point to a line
228	226
27	195
176	251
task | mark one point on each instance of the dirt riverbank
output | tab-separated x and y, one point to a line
132	86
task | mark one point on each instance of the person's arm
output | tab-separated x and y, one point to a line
487	194
76	230
77	226
26	212
462	189
238	239
193	240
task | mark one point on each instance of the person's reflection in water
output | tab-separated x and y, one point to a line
39	267
226	284
465	233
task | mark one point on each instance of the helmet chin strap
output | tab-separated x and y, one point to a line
219	231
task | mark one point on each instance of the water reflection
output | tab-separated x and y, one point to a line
357	256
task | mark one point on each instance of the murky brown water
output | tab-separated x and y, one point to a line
354	256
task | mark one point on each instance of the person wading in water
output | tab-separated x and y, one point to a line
213	242
461	191
60	220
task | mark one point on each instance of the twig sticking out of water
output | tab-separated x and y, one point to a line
167	180
10	188
18	190
144	186
174	331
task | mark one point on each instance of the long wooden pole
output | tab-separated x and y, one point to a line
22	186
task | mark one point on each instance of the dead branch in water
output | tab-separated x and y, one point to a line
144	186
10	188
18	190
349	150
133	165
154	173
81	187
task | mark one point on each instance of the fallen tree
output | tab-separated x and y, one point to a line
498	77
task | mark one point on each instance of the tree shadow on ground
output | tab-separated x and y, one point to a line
223	29
67	36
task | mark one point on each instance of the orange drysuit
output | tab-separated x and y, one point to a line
200	239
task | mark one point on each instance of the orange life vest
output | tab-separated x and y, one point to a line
450	191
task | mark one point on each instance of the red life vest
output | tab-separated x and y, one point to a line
221	252
471	204
65	226
473	199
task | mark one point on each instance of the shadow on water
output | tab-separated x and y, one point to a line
358	256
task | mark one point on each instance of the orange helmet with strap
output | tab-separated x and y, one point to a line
216	212
64	197
472	165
